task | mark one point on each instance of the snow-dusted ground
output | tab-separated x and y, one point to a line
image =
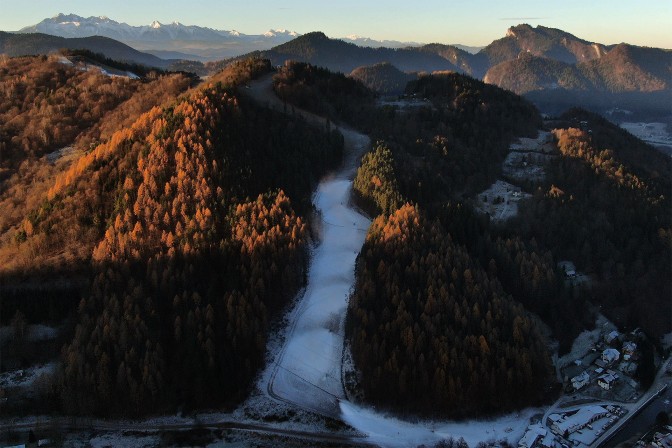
118	439
543	142
391	432
653	133
508	194
34	333
62	153
26	377
308	371
528	158
585	340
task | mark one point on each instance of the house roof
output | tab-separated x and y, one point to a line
611	354
607	378
582	417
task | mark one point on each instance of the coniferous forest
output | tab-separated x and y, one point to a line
180	214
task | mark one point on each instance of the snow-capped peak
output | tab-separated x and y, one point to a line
176	23
277	32
353	36
155	24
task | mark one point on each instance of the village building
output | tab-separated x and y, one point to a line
661	440
580	380
610	355
607	380
534	435
627	367
629	349
582	418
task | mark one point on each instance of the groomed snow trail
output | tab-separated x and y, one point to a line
306	369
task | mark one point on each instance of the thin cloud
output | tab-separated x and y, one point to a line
523	18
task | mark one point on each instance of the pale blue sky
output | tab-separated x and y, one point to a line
475	22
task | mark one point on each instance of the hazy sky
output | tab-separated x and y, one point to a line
470	22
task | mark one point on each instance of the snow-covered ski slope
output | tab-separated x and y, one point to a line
308	371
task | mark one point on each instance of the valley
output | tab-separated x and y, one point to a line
320	243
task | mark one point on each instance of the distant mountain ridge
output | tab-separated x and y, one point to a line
202	42
554	68
318	49
196	42
39	43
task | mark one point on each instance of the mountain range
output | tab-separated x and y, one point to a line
166	40
178	41
38	43
553	68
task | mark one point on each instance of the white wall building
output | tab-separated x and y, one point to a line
580	380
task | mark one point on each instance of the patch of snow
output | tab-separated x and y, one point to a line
65	61
388	431
41	333
501	200
26	377
309	369
653	133
585	340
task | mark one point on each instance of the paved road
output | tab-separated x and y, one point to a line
86	424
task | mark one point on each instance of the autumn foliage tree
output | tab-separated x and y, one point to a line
189	270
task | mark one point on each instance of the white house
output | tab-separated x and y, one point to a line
610	355
607	381
580	380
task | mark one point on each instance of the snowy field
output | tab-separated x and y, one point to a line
308	371
528	158
542	143
390	432
652	133
26	377
501	200
585	340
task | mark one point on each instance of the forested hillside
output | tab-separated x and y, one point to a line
52	114
14	44
191	220
383	78
607	207
338	56
432	332
432	329
327	94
